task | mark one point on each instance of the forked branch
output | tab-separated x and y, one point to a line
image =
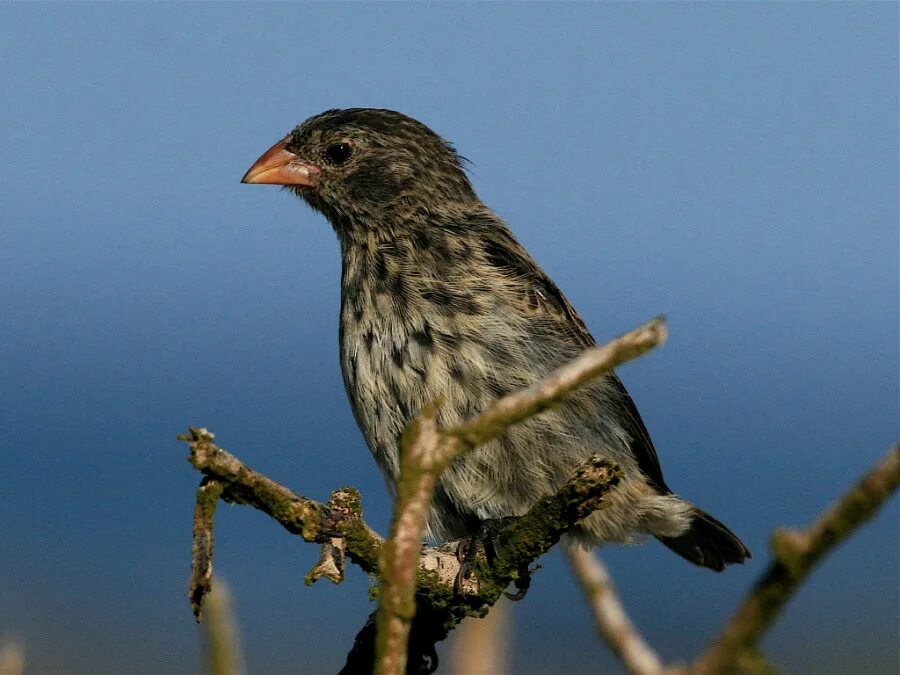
426	450
411	581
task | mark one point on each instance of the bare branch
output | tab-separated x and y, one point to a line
223	648
340	524
796	554
12	657
613	624
482	645
426	451
423	449
553	389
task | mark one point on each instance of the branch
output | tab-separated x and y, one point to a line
12	657
202	547
796	554
440	605
339	524
223	644
427	450
609	615
424	452
423	603
229	479
482	645
554	388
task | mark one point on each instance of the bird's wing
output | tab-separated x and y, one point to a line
540	296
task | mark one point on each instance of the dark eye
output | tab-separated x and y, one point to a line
338	153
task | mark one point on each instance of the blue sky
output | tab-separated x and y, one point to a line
733	166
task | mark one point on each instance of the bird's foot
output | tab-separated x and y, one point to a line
482	545
468	551
523	583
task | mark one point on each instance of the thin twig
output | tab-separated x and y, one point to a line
223	645
438	607
423	448
202	548
796	554
613	624
481	646
553	389
428	450
12	657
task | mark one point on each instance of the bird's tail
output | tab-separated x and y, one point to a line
708	543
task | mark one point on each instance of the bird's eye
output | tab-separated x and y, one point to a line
338	153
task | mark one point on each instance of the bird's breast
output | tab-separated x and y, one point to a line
398	357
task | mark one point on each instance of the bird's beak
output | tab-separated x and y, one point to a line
277	166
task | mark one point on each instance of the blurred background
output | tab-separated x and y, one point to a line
733	166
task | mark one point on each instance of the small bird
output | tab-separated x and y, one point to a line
439	301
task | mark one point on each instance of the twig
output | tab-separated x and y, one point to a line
422	457
427	450
553	389
436	606
223	647
12	657
481	646
340	522
613	624
796	554
202	547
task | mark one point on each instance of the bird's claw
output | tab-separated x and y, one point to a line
467	552
483	545
523	583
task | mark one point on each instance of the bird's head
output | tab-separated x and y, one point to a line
365	167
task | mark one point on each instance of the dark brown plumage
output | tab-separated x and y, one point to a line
440	300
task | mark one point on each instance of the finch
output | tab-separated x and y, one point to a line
439	301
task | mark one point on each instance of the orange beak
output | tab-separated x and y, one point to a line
277	166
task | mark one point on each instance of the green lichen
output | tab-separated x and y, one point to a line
361	547
348	498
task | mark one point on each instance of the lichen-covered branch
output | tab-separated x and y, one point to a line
518	542
613	624
421	597
427	450
339	527
796	554
229	479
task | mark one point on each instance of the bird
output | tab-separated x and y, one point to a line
439	301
